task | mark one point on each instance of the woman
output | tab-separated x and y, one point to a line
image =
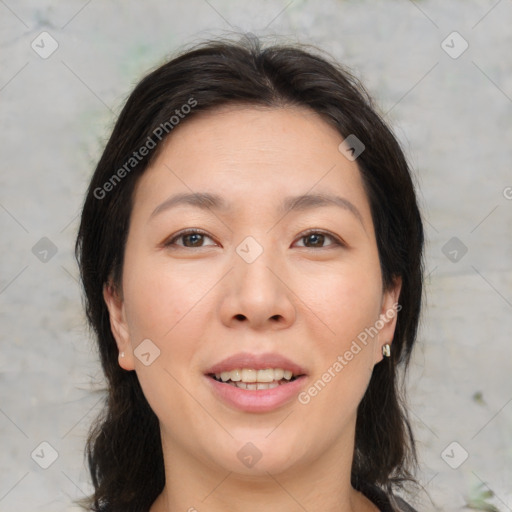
251	253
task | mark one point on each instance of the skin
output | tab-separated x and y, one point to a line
198	301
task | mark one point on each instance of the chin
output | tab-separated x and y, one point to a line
258	455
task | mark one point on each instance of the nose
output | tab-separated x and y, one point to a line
258	294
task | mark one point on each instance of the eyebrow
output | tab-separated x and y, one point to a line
208	201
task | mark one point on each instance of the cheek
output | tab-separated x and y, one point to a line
158	299
165	307
346	304
345	300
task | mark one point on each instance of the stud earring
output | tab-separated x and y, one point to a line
121	354
386	350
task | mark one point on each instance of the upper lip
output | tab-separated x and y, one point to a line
256	362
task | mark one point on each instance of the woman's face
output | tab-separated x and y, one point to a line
265	282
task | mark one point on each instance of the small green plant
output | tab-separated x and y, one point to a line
478	499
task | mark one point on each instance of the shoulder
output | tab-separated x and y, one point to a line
383	501
404	507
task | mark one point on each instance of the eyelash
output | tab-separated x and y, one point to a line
335	240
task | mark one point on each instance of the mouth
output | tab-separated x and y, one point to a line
254	380
256	383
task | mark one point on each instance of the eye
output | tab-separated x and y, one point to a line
191	238
194	238
317	238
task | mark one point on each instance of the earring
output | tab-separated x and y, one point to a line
121	354
386	350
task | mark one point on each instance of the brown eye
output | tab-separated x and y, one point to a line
317	239
195	239
191	239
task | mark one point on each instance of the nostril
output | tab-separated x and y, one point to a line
240	317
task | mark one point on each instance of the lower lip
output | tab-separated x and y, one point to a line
257	400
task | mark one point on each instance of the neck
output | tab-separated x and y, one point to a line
322	484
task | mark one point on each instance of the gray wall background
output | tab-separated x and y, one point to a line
452	111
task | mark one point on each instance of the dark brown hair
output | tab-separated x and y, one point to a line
124	447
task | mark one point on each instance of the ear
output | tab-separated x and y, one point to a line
118	325
387	318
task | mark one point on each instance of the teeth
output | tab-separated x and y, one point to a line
254	386
236	375
250	376
270	385
265	375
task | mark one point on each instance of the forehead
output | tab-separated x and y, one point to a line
254	132
253	156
